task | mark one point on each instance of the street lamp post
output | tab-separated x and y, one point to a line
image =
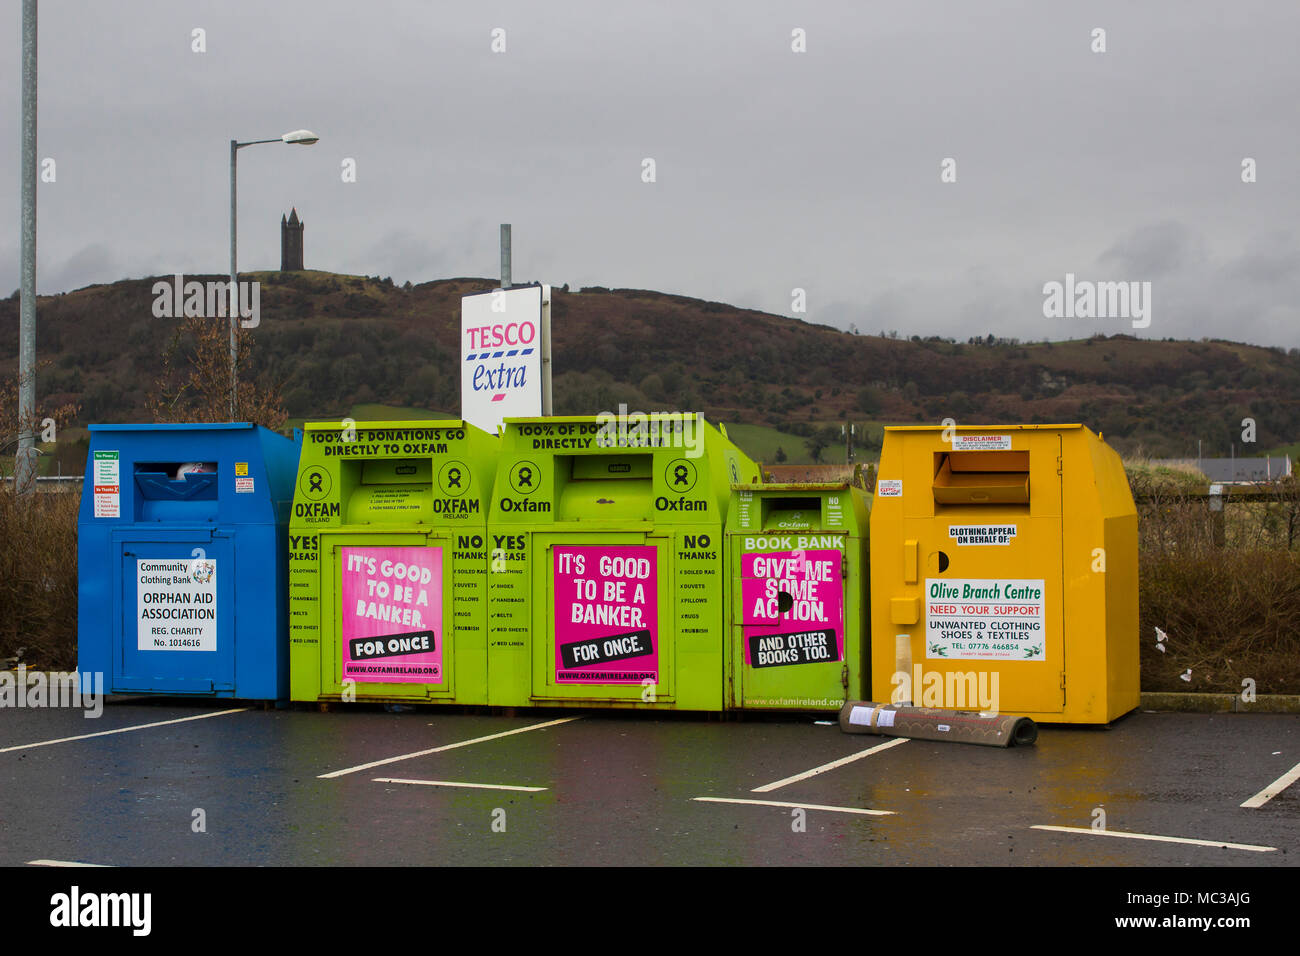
25	463
299	137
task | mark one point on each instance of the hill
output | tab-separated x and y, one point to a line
336	342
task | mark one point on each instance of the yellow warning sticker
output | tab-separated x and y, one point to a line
241	469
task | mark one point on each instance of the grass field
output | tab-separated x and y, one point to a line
760	442
1293	450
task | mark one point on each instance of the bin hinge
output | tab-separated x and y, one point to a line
844	676
1058	464
844	567
1062	680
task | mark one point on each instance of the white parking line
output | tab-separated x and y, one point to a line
449	783
1161	839
123	730
1274	788
769	787
803	806
64	863
434	750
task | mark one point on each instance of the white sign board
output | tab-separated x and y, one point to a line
503	336
985	619
176	604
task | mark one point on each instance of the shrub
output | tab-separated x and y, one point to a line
38	578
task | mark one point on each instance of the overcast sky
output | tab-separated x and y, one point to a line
774	169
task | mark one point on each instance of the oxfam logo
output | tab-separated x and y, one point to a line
525	478
680	476
453	478
315	484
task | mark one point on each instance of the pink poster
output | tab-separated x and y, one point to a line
391	615
606	614
792	607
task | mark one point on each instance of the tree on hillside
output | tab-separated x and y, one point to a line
13	425
869	400
195	382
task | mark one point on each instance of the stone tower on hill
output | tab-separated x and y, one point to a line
291	243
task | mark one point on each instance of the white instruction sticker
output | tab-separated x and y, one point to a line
981	533
107	485
889	488
981	443
886	718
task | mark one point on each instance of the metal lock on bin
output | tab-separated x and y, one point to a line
1004	572
797	595
388	562
180	551
606	571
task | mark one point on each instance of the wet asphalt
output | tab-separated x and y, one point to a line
245	789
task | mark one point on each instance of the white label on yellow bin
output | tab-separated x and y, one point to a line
176	604
889	488
985	619
981	443
981	533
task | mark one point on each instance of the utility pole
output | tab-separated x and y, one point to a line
234	285
505	255
25	464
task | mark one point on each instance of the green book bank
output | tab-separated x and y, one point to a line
797	593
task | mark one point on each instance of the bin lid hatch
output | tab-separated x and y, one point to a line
982	478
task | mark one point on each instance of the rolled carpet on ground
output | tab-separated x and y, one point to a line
926	723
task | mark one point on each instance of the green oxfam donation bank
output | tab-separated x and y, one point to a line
606	580
388	562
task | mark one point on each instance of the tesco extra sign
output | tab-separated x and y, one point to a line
501	354
492	336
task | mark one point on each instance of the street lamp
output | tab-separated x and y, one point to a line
298	137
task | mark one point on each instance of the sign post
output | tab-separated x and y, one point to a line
505	340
